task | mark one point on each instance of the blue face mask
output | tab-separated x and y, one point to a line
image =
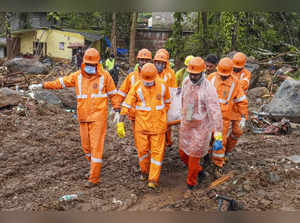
160	67
148	84
89	69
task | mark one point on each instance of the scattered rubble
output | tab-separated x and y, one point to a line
42	160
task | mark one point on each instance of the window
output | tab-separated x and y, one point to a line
62	46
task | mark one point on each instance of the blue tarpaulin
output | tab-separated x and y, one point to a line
120	52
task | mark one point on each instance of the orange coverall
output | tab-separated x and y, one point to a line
151	105
92	93
168	75
229	93
244	77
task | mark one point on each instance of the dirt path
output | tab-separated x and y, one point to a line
41	160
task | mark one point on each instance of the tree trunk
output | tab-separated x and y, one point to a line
235	31
132	40
204	26
113	49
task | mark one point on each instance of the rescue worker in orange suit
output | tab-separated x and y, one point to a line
161	61
94	86
201	115
230	93
244	76
151	99
144	56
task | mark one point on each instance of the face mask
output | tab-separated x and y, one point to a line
224	78
148	84
237	70
160	68
89	69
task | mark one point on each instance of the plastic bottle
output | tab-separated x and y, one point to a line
69	197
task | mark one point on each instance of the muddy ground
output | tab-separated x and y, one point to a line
41	160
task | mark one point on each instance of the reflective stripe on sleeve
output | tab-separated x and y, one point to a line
155	162
112	92
240	99
143	157
132	80
96	160
126	105
61	80
122	93
218	155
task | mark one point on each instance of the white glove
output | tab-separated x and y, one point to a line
242	123
35	86
116	117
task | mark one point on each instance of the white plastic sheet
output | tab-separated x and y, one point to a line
174	112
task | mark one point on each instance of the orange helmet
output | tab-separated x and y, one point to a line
91	56
225	66
149	72
160	56
196	65
144	54
164	51
239	60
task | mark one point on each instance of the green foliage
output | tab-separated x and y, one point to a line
248	32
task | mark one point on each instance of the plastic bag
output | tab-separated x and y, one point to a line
174	112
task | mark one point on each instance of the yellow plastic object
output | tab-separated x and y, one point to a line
188	59
218	136
121	129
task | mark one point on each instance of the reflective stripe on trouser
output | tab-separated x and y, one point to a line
234	136
194	167
169	137
218	156
92	139
151	152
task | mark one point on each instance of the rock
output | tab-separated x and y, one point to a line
47	96
247	187
258	92
286	101
65	98
30	66
273	178
294	159
9	97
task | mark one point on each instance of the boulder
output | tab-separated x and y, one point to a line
64	98
29	66
258	92
286	101
9	97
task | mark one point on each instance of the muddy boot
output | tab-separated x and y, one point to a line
188	192
143	177
153	186
218	172
90	184
227	157
201	176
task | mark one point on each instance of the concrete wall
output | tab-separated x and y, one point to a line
27	42
57	42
